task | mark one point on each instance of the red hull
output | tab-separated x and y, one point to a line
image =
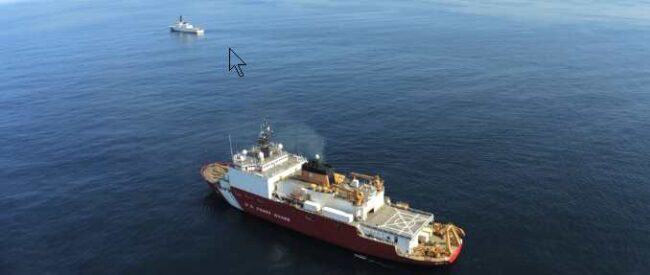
322	228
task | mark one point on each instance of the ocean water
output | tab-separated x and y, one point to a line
527	124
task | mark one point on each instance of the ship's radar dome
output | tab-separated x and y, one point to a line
280	146
244	152
317	156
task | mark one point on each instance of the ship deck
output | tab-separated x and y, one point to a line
404	222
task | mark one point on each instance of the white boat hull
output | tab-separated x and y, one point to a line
185	30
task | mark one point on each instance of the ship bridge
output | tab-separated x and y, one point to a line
267	159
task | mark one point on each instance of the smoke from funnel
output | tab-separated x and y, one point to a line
302	139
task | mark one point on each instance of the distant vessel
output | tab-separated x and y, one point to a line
185	27
350	210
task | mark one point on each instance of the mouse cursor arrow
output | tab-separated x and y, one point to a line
235	62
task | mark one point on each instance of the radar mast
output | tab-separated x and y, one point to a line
264	138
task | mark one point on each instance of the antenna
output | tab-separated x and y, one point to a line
230	141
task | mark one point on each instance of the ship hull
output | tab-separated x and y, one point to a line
322	228
182	30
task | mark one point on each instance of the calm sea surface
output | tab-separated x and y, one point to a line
526	124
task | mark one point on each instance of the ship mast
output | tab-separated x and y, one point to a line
264	138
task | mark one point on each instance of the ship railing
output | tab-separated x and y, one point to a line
422	212
390	232
414	210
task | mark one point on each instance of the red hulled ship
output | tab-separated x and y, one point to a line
349	210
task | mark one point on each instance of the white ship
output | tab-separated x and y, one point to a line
185	27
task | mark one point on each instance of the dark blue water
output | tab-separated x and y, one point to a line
527	124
